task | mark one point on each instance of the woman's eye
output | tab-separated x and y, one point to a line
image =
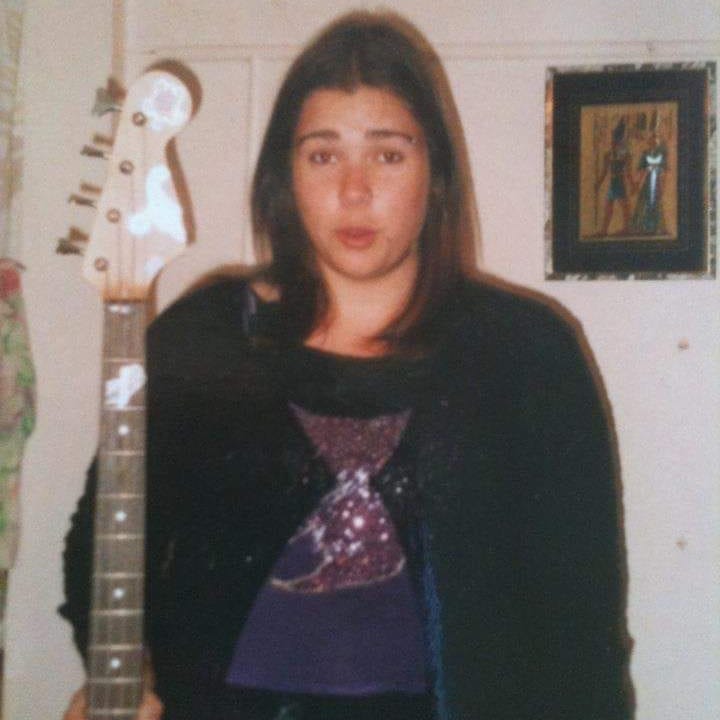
390	157
322	157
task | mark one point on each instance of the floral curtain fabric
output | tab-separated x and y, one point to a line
11	15
17	378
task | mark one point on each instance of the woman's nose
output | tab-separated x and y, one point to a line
355	185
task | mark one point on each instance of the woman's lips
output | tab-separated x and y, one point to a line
356	237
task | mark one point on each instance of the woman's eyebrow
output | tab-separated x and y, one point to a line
317	134
373	134
383	133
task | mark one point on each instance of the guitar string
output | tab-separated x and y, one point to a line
135	280
126	628
128	625
130	277
122	330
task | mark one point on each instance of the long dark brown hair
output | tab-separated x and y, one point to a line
380	50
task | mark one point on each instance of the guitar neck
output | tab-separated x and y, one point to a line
115	652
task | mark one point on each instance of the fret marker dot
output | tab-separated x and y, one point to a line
123	430
115	663
119	593
121	516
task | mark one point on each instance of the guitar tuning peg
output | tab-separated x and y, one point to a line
77	235
82	200
99	139
65	247
109	98
115	89
69	245
87	187
91	151
105	102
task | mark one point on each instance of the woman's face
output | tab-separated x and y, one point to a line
361	177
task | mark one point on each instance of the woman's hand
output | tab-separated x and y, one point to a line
150	709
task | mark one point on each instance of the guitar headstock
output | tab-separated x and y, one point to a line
139	225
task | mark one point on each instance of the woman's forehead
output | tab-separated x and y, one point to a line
364	112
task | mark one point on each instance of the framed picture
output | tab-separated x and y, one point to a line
630	172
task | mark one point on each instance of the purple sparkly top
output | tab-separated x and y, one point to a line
337	614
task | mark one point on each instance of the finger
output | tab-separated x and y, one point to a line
77	708
151	708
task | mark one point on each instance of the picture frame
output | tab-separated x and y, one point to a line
631	172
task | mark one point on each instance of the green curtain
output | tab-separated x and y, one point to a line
17	377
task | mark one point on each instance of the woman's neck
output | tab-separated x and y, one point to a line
359	311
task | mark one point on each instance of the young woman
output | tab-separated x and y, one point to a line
378	488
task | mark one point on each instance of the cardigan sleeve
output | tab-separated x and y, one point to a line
572	571
77	563
164	350
78	547
190	343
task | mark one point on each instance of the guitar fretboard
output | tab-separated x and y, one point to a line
115	652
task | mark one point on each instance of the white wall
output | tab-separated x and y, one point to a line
66	54
665	398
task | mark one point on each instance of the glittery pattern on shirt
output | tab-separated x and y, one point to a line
349	541
338	614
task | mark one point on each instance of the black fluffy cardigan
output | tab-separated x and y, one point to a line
511	522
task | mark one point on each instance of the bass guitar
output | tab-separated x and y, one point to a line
139	227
